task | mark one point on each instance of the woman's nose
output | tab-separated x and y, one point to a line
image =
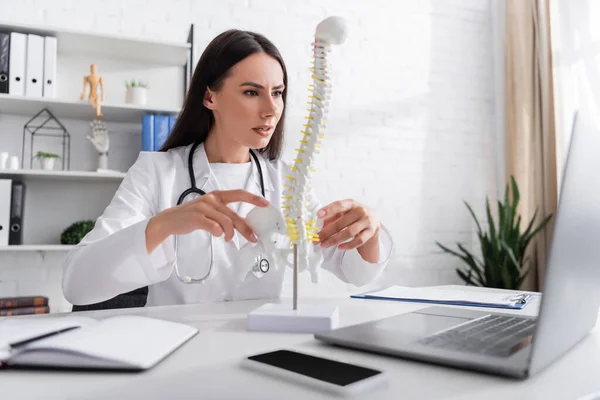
270	108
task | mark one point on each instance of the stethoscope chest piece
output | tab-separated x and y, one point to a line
261	266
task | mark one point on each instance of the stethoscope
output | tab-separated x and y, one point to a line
261	264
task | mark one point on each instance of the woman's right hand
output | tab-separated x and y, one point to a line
208	212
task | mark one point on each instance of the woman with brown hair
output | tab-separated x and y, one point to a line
183	208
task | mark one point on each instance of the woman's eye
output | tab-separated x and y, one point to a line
251	93
278	93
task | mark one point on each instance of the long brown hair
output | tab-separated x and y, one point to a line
223	52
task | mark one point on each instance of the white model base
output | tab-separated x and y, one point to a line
308	318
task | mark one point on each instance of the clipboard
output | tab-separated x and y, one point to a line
449	297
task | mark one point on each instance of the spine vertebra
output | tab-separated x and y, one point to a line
301	223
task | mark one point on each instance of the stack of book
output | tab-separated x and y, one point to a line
155	130
23	305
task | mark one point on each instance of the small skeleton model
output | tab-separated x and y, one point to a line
99	137
95	83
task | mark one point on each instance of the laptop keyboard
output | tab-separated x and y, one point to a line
494	335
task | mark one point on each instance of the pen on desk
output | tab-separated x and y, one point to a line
39	337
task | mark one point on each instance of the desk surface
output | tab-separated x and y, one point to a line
207	367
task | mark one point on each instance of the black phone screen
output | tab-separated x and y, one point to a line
334	372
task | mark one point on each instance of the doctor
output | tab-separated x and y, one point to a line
233	120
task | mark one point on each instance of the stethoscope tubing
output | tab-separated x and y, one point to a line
194	189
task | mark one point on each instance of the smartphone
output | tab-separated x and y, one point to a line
322	373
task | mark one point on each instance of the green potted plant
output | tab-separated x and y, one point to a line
503	246
76	231
47	159
136	92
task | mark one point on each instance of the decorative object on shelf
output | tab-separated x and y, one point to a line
99	138
3	160
95	84
44	123
76	231
503	248
13	163
136	92
47	159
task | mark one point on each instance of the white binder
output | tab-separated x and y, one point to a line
49	66
5	198
16	61
34	70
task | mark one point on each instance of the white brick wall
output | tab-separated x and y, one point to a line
412	115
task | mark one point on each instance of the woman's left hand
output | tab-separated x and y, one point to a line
351	222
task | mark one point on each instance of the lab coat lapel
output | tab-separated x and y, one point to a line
254	185
206	181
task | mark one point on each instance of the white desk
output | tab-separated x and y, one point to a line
207	366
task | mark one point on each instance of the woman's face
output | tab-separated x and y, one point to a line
249	104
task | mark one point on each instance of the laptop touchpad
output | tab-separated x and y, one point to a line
415	324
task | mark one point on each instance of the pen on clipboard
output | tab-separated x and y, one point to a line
521	298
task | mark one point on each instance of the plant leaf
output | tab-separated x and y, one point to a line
523	276
466	278
494	244
515	192
475	264
530	225
516	268
539	228
468	258
454	253
474	217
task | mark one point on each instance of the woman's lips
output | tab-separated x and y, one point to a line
263	130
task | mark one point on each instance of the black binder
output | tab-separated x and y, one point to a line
4	54
17	204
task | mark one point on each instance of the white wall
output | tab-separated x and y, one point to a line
411	126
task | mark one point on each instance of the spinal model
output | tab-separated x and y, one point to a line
301	222
300	219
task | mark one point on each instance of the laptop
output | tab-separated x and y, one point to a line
508	344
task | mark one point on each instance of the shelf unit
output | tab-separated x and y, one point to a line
33	174
22	105
41	247
109	46
58	197
100	46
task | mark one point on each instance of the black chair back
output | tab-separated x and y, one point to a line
135	298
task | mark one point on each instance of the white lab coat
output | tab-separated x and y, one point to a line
112	259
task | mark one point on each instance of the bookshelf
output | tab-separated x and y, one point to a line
54	199
41	247
22	105
28	175
72	42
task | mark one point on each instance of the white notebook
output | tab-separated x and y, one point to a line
124	342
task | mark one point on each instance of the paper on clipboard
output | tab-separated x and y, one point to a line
448	296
